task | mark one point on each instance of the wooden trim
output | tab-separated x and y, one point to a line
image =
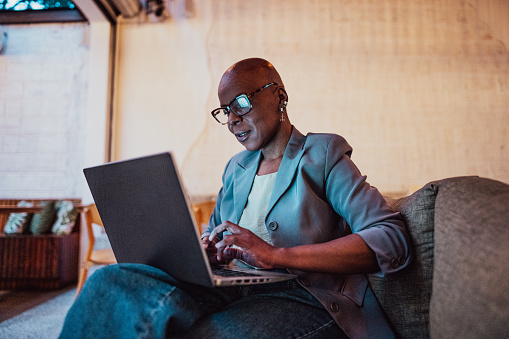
17	209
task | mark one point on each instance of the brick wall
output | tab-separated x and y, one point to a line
43	91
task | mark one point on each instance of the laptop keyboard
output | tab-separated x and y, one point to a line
225	272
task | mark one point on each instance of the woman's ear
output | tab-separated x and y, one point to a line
283	96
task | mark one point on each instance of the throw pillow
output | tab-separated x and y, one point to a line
42	221
66	218
18	222
405	295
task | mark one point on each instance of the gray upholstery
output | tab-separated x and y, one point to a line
458	285
471	272
405	295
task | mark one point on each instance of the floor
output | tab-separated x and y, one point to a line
13	303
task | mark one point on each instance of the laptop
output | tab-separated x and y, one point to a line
148	219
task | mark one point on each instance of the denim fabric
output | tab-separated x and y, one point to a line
139	301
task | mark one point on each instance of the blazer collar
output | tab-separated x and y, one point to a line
243	177
295	144
246	169
286	173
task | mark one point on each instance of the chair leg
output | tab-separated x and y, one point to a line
82	278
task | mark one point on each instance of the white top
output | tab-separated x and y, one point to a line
253	216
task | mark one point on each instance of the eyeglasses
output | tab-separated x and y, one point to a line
240	106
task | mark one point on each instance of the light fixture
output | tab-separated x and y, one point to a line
155	7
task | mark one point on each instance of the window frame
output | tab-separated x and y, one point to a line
51	15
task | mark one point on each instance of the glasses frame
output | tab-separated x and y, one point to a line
219	110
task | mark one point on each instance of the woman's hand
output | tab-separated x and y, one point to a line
253	249
211	250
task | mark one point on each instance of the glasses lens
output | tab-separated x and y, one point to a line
241	105
221	115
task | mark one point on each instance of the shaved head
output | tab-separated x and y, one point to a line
265	126
255	70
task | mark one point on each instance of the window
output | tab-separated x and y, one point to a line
38	11
23	5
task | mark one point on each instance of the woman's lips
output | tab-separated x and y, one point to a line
242	136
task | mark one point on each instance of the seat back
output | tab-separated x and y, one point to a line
202	212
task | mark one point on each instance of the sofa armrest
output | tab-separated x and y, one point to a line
469	297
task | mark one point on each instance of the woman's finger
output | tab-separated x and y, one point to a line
225	226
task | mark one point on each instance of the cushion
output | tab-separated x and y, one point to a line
18	222
42	221
405	295
470	295
66	218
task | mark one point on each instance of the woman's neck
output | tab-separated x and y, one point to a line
268	166
272	155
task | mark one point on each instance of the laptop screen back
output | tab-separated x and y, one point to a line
147	216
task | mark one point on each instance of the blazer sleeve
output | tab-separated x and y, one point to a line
365	210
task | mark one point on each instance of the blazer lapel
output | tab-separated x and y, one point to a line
293	153
243	175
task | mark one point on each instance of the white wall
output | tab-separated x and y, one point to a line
161	103
418	88
96	127
43	94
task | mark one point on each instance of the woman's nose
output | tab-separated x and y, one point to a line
233	119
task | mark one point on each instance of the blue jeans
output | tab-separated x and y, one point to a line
139	301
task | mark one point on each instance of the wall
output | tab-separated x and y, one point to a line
418	88
43	93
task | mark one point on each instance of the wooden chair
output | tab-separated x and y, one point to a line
202	212
98	257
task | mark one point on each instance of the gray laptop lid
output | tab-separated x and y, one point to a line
147	216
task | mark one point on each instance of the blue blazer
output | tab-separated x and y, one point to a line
320	195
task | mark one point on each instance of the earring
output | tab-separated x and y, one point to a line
283	111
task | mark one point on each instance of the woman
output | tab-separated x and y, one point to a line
289	202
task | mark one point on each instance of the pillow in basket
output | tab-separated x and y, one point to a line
18	222
42	221
66	218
